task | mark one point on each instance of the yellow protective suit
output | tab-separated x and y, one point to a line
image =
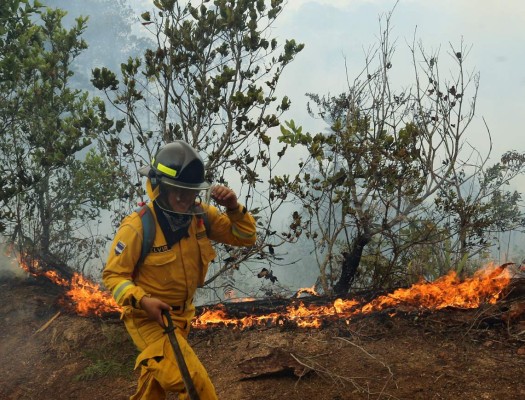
171	275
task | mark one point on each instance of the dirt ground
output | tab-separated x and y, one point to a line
450	354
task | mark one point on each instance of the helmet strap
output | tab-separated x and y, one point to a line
152	175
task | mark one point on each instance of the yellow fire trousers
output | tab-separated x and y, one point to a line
159	370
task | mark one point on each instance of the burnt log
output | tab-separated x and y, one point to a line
265	306
38	264
515	289
51	262
277	362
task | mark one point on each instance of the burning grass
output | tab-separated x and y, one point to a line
486	286
82	296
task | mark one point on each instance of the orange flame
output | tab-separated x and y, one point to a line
485	286
231	297
55	278
449	291
86	297
89	299
310	290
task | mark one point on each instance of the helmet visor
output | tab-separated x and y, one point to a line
182	200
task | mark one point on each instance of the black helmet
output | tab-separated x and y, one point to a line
177	164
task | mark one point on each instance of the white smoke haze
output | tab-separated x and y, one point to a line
9	268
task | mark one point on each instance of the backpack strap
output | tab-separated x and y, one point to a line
204	218
148	229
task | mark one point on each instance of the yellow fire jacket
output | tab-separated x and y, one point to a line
171	274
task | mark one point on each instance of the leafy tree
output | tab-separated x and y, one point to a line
476	206
16	46
211	81
392	172
57	180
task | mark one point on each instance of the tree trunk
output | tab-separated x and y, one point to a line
351	262
45	217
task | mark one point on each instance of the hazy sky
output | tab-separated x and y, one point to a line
335	30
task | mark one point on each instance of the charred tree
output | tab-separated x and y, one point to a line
350	264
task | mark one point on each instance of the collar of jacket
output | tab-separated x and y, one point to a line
172	236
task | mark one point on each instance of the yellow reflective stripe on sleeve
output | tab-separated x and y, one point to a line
167	170
240	234
121	289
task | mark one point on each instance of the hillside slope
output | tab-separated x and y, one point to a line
448	354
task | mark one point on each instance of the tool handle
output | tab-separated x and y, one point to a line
179	357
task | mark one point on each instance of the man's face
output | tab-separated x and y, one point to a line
181	200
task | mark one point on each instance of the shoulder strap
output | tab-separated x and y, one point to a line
148	229
204	218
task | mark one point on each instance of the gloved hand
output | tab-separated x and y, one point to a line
224	196
153	308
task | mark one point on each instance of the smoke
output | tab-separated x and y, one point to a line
9	268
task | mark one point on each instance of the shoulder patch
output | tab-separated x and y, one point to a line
119	248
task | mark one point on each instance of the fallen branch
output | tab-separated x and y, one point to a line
391	378
46	325
317	367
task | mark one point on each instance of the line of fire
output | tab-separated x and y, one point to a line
306	309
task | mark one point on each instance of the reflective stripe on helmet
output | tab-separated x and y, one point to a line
121	289
165	170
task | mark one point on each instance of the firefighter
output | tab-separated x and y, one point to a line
173	268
